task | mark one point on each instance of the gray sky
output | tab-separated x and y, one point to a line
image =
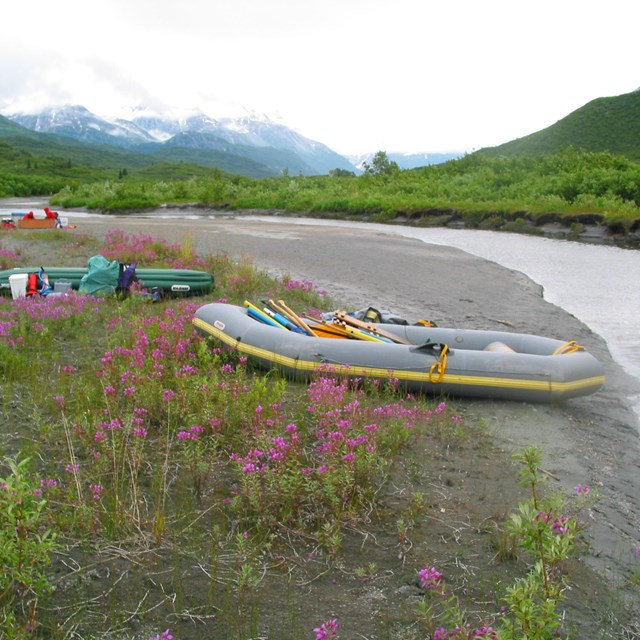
357	75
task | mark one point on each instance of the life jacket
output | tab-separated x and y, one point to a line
49	213
33	282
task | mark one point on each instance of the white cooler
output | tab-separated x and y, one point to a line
18	283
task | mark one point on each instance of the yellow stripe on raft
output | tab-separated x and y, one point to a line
400	374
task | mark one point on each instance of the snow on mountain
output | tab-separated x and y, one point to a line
77	122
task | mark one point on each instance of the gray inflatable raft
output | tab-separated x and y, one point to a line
442	361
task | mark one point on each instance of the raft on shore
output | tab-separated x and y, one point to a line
435	360
178	282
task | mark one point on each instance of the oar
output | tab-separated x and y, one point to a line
367	326
291	318
257	314
283	321
324	330
294	317
357	333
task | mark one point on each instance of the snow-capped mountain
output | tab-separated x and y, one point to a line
74	121
247	136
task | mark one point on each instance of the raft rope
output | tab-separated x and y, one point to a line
568	347
438	368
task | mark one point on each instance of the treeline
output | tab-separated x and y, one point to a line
474	187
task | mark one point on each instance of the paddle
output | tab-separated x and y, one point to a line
369	327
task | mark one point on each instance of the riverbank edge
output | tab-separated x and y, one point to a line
587	228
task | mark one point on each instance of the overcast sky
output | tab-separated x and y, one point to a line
357	75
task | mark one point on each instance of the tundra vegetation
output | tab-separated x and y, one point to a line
155	486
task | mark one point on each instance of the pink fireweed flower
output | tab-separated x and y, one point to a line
109	390
226	368
561	525
429	578
326	630
96	490
168	395
140	432
129	391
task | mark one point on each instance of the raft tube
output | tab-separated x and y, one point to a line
440	361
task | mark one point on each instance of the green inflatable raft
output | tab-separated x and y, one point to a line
168	282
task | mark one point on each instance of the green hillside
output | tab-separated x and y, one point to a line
604	124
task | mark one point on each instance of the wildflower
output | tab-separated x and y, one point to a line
168	395
561	525
581	489
165	635
429	578
326	630
96	490
139	432
70	468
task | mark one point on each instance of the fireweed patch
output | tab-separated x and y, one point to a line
325	467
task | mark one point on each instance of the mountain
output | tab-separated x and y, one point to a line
604	124
258	139
74	121
406	160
